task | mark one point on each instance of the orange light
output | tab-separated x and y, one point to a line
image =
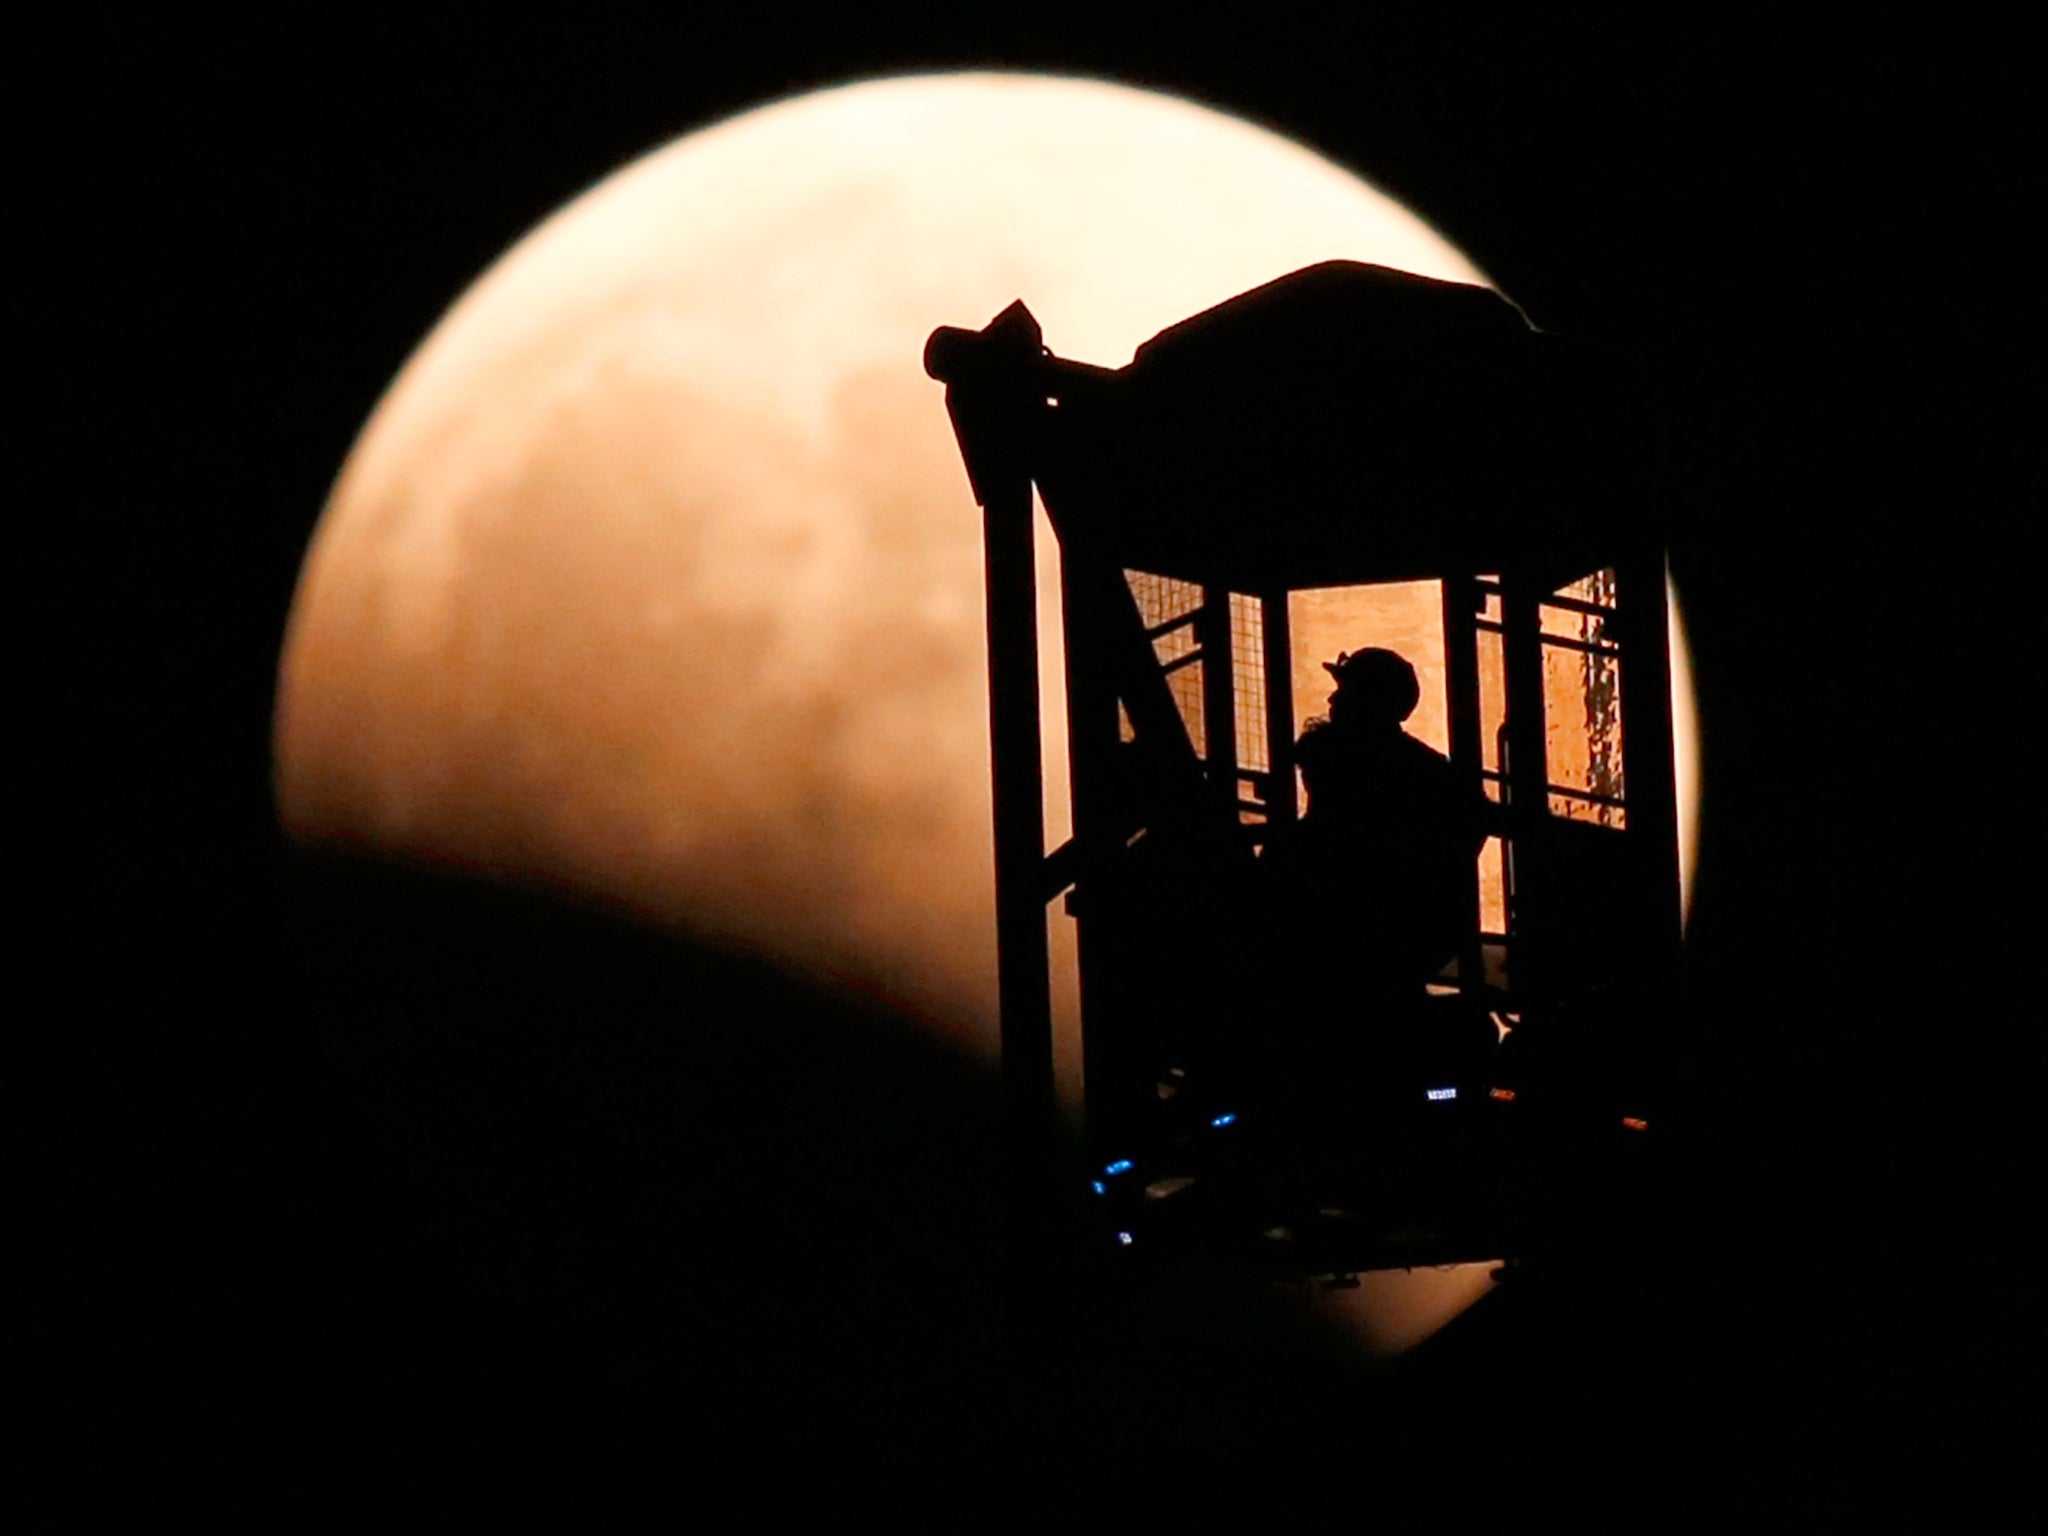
1505	1095
1634	1124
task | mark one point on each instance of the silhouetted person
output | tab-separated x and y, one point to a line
1372	891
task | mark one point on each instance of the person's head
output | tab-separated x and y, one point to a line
1374	687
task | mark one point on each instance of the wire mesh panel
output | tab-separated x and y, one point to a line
1248	676
1168	609
1162	599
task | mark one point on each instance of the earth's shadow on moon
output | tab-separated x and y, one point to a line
609	1207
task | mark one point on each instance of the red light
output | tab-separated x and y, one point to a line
1505	1095
1634	1124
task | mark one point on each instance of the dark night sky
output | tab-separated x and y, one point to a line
1806	241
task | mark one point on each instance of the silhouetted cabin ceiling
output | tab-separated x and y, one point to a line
1349	423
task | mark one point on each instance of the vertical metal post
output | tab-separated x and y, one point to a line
1279	642
1219	697
1461	671
1022	962
993	395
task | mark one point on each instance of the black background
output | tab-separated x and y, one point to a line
256	1295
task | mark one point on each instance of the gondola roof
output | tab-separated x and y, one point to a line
1344	423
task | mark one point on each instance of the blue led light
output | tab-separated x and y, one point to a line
1125	1238
1222	1120
1438	1095
1121	1165
1099	1187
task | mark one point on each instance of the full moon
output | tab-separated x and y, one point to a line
655	574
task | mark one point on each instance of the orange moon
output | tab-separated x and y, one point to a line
655	573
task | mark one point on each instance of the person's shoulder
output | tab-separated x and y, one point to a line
1422	754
